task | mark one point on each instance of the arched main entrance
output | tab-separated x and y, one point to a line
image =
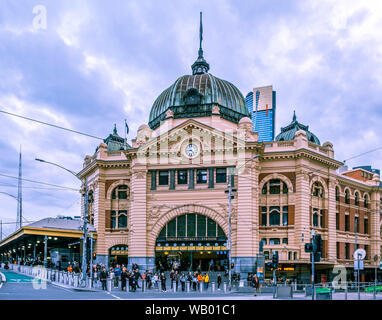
118	254
191	241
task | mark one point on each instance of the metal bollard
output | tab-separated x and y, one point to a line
188	284
225	287
346	291
108	284
75	280
201	286
143	285
213	286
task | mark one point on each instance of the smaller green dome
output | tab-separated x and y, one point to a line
288	132
115	142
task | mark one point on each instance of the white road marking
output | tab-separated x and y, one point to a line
113	295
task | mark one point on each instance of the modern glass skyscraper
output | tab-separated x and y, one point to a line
261	103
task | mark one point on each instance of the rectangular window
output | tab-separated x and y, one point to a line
347	251
181	226
346	222
171	229
366	225
263	216
274	187
264	241
273	241
182	177
367	252
211	228
294	255
290	255
285	215
201	176
337	221
163	178
113	219
285	240
315	217
321	218
338	250
221	175
122	219
191	225
201	226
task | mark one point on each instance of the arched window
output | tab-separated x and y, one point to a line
347	196
90	207
274	218
365	201
315	218
337	194
317	190
118	219
120	192
356	199
276	186
191	227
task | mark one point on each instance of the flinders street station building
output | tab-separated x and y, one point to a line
162	197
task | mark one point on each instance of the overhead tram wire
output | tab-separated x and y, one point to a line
39	182
361	154
52	125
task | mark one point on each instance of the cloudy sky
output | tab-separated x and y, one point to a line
96	63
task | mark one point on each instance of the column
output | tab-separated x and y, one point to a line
331	222
138	251
45	251
244	248
374	222
302	212
191	177
153	179
172	179
211	171
100	223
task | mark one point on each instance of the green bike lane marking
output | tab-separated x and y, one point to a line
16	278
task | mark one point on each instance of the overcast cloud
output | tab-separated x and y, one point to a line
100	62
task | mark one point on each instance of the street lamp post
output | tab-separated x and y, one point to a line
85	227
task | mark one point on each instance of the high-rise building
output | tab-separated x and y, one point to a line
261	103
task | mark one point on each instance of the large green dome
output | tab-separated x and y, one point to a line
195	95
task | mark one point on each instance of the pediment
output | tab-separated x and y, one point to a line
209	141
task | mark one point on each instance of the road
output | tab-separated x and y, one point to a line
21	287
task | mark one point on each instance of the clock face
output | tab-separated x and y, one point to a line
191	150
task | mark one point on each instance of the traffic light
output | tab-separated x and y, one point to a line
94	256
317	243
261	243
269	265
308	247
275	259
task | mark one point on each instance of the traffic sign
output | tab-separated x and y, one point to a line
356	264
359	254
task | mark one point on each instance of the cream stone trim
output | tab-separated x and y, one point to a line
114	185
277	176
181	210
111	242
323	183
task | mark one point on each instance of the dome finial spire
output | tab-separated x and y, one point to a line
200	66
294	115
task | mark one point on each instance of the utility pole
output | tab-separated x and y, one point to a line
312	255
91	256
85	226
229	231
